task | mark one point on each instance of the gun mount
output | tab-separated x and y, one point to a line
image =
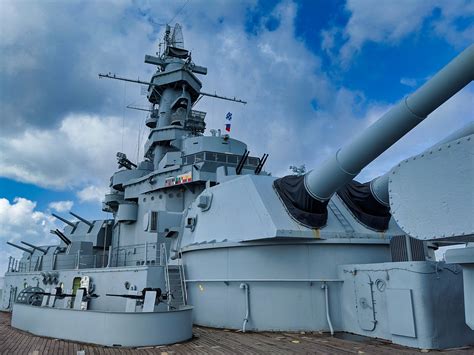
306	197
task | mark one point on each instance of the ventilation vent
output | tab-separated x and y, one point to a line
153	221
401	247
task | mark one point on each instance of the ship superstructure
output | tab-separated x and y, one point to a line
200	228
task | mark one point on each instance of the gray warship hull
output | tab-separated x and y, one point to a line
202	234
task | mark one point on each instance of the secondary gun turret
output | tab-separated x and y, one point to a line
306	197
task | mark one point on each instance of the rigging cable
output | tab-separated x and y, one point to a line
178	12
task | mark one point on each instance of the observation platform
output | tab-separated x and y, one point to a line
213	341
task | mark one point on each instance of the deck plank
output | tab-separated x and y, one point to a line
211	341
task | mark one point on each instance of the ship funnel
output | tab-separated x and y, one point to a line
90	224
336	172
44	251
63	220
21	248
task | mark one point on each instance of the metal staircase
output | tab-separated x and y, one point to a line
174	278
176	286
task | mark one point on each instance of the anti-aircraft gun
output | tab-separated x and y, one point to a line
146	299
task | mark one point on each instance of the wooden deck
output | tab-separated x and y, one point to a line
210	341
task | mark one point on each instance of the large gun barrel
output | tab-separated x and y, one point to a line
61	236
336	172
44	251
90	224
64	220
21	248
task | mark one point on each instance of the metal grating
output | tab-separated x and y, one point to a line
400	249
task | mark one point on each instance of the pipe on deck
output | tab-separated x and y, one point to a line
245	287
326	297
322	183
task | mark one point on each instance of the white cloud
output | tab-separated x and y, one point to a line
387	21
273	70
408	82
61	206
21	220
91	193
80	151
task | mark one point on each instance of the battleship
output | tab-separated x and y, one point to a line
203	235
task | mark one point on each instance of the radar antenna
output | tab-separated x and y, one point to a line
177	39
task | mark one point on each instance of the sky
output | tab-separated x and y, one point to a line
314	73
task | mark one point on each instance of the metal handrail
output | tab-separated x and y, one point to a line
163	256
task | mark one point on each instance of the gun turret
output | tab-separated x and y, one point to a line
379	185
61	236
44	251
306	196
90	224
64	220
21	248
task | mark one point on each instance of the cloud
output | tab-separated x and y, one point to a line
92	193
389	22
61	206
20	220
80	151
296	113
411	82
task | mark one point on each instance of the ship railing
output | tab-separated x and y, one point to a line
147	254
58	262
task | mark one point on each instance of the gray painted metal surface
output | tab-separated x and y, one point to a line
465	257
415	304
198	219
439	184
106	328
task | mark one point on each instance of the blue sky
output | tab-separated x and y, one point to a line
314	73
